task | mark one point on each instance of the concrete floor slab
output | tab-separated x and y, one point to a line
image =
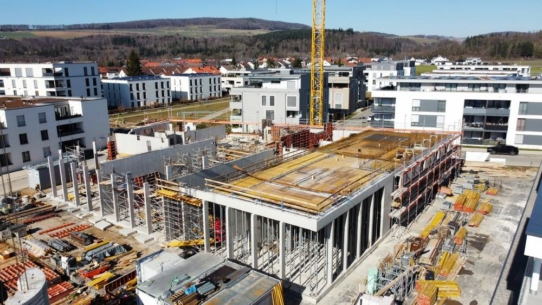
143	239
127	232
103	225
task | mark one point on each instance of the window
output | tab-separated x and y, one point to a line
46	152
87	82
291	101
440	121
144	86
35	84
156	85
441	106
20	121
338	106
42	117
145	95
95	91
138	96
94	81
66	72
162	85
167	85
69	93
518	139
415	120
92	72
131	96
88	91
24	83
13	84
4	141
272	101
162	93
85	71
338	97
264	100
23	139
19	72
523	107
270	114
137	87
131	87
521	125
26	156
29	72
5	159
450	87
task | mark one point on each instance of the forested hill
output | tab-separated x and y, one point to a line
219	23
112	48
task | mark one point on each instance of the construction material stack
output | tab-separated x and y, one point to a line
471	201
427	295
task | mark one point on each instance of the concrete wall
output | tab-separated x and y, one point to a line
133	144
153	161
40	175
216	132
197	180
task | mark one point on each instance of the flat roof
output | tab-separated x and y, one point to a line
317	180
132	78
445	78
16	102
534	227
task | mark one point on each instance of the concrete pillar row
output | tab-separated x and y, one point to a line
535	279
371	219
358	241
116	208
86	175
148	210
64	182
282	252
52	176
229	232
330	242
346	238
130	198
206	226
254	251
75	184
100	193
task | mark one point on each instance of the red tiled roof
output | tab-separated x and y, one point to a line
364	60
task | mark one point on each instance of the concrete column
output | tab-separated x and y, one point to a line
330	242
169	172
116	208
229	232
75	184
345	241
282	252
96	163
383	212
204	162
62	169
148	210
130	196
87	188
535	279
358	241
206	226
254	240
100	193
371	219
52	177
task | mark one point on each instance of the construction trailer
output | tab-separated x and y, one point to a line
306	217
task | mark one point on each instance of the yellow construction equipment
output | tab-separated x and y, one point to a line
188	243
100	282
94	246
434	223
317	104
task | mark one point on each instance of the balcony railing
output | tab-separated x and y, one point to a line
52	74
498	111
496	127
473	141
387	109
236	118
474	111
67	116
382	124
70	132
486	111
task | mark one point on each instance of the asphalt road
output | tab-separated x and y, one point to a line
524	158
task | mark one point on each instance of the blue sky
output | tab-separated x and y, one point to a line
458	18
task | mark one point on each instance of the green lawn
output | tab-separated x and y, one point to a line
424	69
16	35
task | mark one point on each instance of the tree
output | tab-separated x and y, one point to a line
271	63
233	61
340	63
256	65
297	63
133	66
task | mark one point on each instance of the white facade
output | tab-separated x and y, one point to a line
38	128
481	70
439	60
375	73
50	79
137	91
195	86
488	110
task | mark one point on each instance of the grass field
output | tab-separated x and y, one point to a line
189	31
424	69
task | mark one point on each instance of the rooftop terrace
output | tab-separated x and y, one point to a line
314	181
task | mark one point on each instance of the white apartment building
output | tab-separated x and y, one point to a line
137	91
377	72
280	98
50	79
37	128
231	79
195	86
481	70
487	109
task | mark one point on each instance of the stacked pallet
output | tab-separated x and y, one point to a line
492	191
434	223
445	289
427	295
471	201
59	291
443	258
459	202
448	265
485	208
460	236
475	220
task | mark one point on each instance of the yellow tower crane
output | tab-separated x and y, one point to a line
316	111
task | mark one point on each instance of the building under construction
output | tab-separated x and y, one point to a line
307	216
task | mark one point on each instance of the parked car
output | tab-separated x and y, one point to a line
503	149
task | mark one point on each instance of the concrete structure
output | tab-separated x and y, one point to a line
37	128
137	91
195	86
376	71
279	98
245	286
79	79
533	249
488	109
32	289
307	218
238	78
480	70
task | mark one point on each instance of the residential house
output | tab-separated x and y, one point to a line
137	91
195	86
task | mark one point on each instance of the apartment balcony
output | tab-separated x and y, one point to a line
498	111
383	109
236	118
66	133
474	111
496	127
472	141
59	117
52	74
383	124
471	126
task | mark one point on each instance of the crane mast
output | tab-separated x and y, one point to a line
316	111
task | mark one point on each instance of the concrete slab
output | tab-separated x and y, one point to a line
127	232
83	215
94	219
103	225
143	239
73	210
